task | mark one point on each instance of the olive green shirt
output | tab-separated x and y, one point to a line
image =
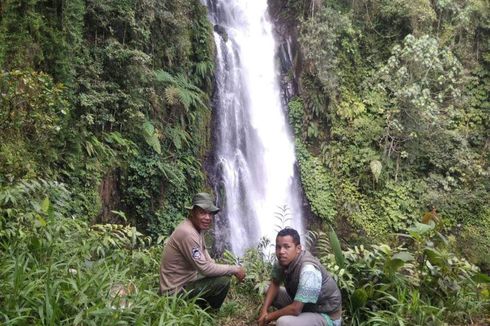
186	259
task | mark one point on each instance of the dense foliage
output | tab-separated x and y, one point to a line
61	271
104	117
417	280
110	99
393	100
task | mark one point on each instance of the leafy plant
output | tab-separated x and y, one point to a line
56	270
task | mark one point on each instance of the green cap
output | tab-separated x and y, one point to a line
205	201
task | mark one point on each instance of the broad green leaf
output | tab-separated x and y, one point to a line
434	257
420	228
481	278
393	264
337	250
404	256
151	137
40	221
148	128
45	205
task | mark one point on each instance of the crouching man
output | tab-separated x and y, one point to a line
186	264
310	295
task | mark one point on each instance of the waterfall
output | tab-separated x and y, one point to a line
253	147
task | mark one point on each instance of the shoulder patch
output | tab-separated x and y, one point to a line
196	253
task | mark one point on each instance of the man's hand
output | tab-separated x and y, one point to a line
262	318
240	273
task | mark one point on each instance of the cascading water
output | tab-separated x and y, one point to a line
254	150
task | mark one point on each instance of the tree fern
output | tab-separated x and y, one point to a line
179	90
172	95
164	77
204	69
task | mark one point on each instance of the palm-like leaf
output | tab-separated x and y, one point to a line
179	90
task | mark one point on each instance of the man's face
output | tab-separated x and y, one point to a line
286	250
201	219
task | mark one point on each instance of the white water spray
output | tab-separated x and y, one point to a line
254	148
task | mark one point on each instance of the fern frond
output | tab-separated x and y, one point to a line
172	95
204	68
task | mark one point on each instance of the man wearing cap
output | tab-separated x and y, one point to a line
186	264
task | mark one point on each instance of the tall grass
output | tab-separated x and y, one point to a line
62	271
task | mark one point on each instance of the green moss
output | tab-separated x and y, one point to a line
317	184
475	235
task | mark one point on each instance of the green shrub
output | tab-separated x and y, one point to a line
33	111
420	281
57	270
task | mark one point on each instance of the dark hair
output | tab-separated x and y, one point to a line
290	232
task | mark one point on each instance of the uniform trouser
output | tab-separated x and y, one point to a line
212	290
305	318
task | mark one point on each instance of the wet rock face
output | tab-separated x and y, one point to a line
221	32
288	53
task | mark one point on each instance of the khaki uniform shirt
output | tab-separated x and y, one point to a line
186	259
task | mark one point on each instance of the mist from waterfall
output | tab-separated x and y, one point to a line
254	149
